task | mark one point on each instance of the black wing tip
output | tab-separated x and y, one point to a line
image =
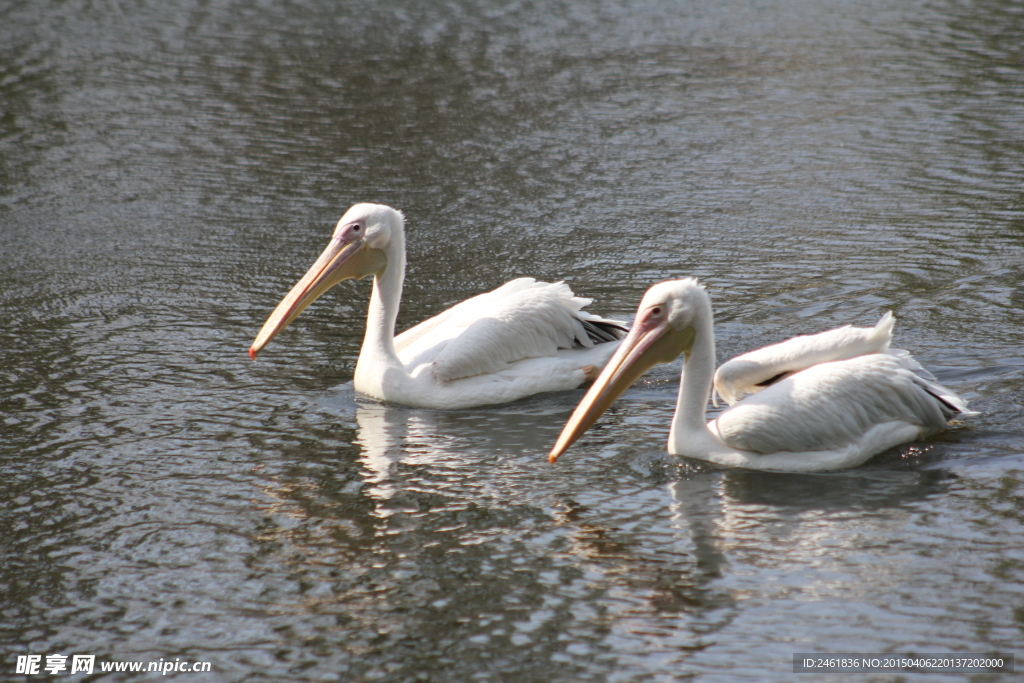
948	401
601	331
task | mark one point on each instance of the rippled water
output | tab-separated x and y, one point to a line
168	170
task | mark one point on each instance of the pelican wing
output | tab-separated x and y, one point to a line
831	405
449	323
751	372
521	319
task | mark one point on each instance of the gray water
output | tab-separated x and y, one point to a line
168	170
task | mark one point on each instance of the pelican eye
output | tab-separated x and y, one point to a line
656	310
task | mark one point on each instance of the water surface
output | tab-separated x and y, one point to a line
168	171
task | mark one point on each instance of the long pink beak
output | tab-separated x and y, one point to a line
632	359
341	260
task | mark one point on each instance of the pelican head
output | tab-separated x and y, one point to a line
665	326
358	249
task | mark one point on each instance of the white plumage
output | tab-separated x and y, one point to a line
523	338
751	372
820	402
521	319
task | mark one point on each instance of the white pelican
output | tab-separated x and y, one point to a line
823	402
523	338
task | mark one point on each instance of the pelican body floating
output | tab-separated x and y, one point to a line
523	338
819	402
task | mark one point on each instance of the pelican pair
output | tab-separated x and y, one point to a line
817	403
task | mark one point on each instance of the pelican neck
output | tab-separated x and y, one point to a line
382	314
689	420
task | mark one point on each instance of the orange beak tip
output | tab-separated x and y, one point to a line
252	353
